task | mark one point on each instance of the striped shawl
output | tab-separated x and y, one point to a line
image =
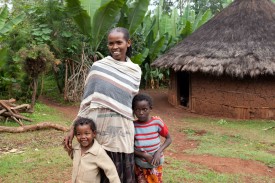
111	84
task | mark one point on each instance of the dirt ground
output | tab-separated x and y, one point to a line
172	116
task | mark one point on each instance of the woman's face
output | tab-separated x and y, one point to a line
117	45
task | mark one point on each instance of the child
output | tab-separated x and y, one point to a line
148	148
89	157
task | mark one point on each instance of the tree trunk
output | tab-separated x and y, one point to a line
57	83
34	94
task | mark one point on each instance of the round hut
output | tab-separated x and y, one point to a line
227	67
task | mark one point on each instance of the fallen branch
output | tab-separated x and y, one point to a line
9	110
39	126
27	106
17	121
17	116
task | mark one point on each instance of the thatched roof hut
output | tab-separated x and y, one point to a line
227	67
238	41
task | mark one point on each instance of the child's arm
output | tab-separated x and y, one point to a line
148	157
105	163
156	157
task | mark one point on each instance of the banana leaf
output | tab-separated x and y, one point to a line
105	18
3	16
136	13
8	26
81	16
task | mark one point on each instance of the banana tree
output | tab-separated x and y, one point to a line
95	18
164	30
7	25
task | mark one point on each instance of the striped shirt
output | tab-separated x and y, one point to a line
147	138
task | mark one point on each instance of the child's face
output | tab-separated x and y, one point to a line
85	135
142	110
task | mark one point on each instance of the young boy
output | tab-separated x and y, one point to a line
148	148
89	157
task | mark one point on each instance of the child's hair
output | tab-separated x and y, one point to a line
140	97
84	121
126	37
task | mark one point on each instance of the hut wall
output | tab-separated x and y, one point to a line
173	89
225	96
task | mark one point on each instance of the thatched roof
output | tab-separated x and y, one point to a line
238	41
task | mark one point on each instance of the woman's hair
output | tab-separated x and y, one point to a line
141	97
126	35
84	121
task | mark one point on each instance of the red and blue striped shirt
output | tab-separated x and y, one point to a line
147	138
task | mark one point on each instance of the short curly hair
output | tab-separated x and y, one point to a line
84	121
140	97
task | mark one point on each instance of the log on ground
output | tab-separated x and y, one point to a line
39	126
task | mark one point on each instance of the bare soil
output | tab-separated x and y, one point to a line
173	117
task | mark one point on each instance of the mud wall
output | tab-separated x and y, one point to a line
173	96
225	96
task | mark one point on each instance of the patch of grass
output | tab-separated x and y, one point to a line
42	113
43	158
176	171
231	146
249	129
35	165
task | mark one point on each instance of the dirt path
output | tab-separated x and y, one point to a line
172	116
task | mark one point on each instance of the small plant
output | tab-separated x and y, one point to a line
222	122
36	60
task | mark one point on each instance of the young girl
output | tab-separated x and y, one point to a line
148	148
88	156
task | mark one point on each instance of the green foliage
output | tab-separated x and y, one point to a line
214	5
7	25
101	15
36	59
135	14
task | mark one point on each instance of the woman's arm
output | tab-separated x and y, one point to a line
105	163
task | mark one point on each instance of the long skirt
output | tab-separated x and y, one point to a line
125	167
148	175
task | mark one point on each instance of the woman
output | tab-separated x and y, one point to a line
109	89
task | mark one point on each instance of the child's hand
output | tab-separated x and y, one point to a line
148	157
156	159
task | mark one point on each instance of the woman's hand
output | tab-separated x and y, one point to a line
67	142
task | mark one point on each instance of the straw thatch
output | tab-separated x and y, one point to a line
238	41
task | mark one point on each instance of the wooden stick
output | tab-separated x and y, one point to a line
17	116
3	110
39	126
4	105
12	100
28	106
17	120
